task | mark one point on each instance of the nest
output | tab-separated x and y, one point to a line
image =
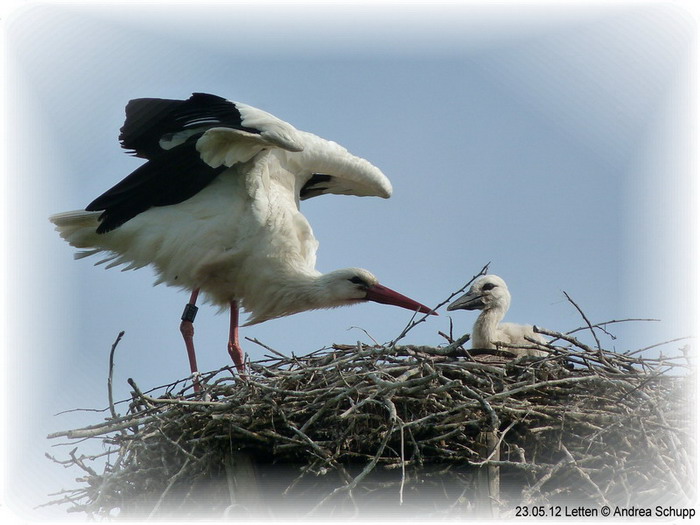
355	430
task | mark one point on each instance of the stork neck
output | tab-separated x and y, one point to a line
486	328
290	294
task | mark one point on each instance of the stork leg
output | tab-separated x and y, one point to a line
234	347
187	331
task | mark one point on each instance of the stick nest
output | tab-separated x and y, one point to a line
351	428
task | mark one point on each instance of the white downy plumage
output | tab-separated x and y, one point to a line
490	294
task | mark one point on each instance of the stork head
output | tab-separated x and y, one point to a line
353	285
488	292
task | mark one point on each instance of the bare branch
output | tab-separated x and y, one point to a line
111	372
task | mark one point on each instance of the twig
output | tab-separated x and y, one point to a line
110	397
357	479
171	483
583	315
650	347
268	348
602	326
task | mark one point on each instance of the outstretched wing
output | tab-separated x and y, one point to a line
187	143
330	168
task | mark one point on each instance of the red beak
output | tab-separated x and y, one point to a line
384	295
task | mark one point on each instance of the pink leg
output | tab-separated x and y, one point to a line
187	330
234	347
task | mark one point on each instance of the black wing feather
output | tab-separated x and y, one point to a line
148	120
315	186
168	178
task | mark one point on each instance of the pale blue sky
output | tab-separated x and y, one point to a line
553	142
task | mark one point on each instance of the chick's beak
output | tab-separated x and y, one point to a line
469	301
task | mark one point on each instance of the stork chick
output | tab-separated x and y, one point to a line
489	293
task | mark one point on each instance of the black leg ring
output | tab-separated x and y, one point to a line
190	313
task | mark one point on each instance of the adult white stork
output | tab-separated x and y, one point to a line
489	293
216	209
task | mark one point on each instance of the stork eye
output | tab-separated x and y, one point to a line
488	286
358	280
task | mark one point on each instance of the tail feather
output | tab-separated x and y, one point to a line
85	253
79	229
75	217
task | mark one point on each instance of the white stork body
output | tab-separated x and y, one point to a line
241	237
216	208
489	293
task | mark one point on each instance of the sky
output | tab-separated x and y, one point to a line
554	141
